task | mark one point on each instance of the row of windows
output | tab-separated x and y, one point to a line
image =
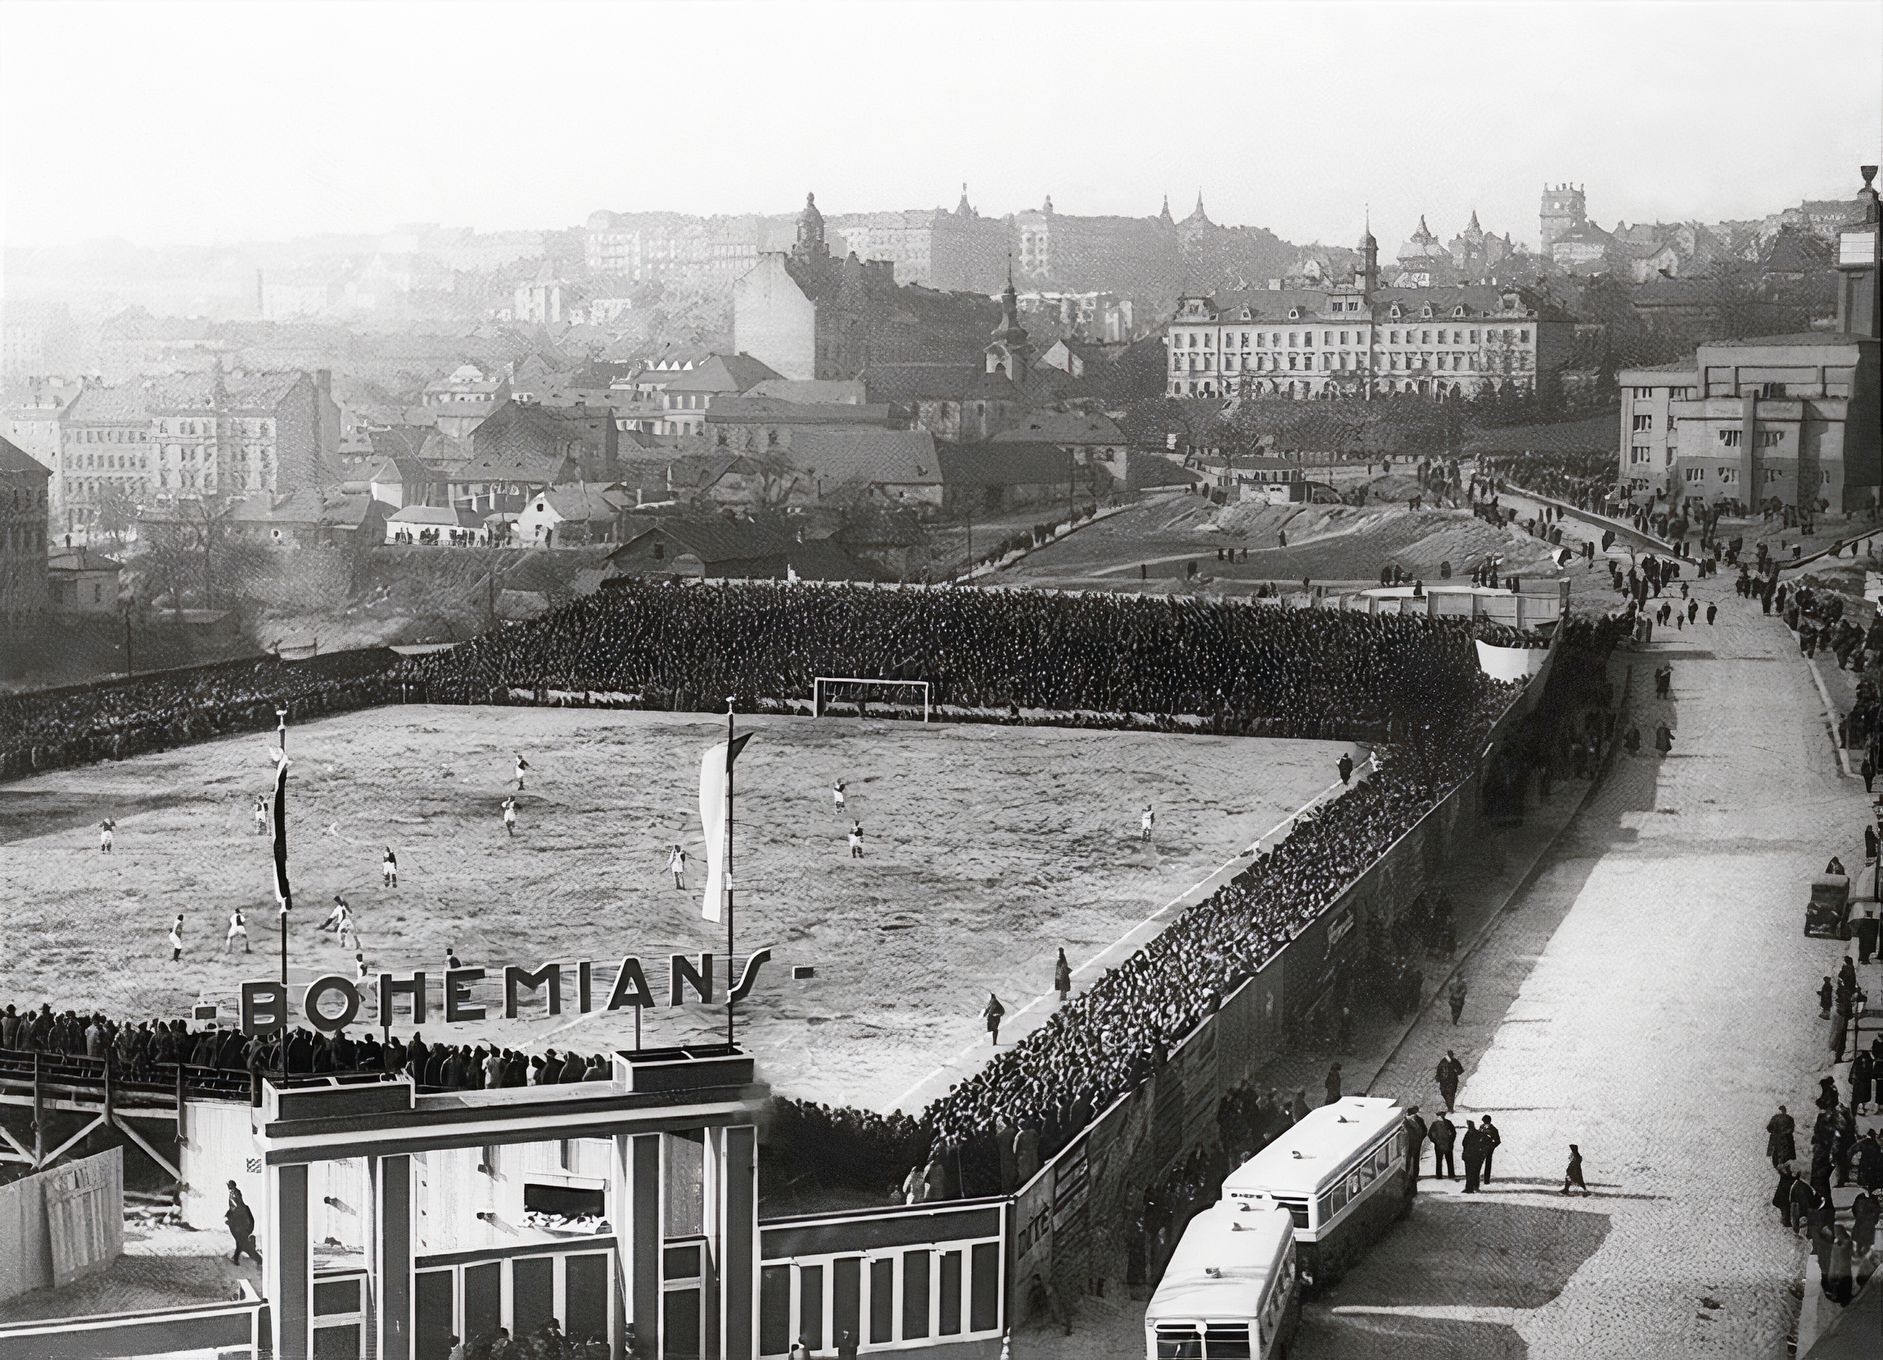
1345	361
1671	393
1733	438
1363	1175
85	435
1305	339
1728	474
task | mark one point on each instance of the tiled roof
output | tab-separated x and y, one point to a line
1009	464
585	502
109	406
731	410
722	373
845	391
839	455
936	382
82	559
715	539
1063	427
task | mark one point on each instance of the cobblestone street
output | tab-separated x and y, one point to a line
1651	998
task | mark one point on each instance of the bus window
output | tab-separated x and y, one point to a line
1178	1342
1297	1209
1227	1341
1356	1181
1383	1158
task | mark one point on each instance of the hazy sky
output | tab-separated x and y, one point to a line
168	122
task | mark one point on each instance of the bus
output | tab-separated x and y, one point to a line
1341	1173
1230	1291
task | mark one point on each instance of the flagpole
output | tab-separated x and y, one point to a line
728	880
281	734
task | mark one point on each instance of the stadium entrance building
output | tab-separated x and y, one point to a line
392	1220
457	1202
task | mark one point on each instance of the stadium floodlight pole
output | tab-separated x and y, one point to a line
731	752
283	892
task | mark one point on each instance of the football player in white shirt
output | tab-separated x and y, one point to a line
238	930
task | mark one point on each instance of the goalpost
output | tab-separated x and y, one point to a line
821	691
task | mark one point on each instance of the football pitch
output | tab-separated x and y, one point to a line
986	848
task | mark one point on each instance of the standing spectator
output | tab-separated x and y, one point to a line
1415	1140
1456	996
1474	1156
1826	994
1492	1141
1443	1134
991	1014
1781	1197
1332	1084
1062	976
1345	766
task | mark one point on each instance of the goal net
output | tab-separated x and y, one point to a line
851	692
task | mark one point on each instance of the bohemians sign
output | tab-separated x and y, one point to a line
333	1002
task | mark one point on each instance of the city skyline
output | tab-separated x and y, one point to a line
338	132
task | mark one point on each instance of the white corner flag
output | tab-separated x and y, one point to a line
714	767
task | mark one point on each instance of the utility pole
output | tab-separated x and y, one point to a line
281	838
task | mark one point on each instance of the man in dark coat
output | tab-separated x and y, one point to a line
1474	1145
1443	1134
1803	1201
1864	1212
1492	1141
241	1221
1449	1070
1332	1084
1415	1139
1781	1197
1573	1176
1781	1145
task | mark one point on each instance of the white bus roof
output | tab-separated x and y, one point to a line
1308	1157
1245	1243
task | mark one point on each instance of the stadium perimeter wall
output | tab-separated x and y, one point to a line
1071	1220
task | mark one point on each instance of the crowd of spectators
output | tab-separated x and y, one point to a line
1117	658
1585	480
112	720
167	1050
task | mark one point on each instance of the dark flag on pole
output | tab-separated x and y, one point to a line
283	893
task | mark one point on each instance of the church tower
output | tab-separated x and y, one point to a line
1369	262
1564	209
810	244
1010	352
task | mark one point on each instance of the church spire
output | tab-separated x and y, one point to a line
1164	216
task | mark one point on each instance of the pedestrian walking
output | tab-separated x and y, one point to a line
1663	739
241	1221
1826	994
1443	1135
1573	1176
1781	1145
1712	612
991	1014
1474	1157
1493	1139
1062	976
1449	1071
1456	996
1331	1083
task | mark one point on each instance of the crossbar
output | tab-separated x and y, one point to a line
819	682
